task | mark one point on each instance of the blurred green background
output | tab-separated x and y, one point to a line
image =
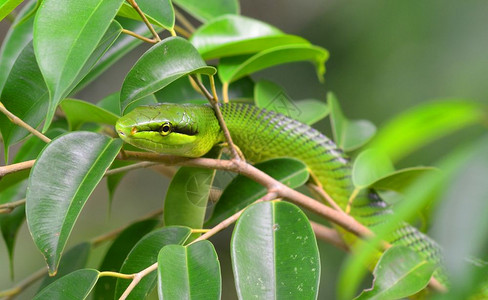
386	56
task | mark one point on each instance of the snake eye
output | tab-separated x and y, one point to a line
165	129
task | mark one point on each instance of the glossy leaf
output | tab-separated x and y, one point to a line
122	45
233	68
274	253
24	82
400	180
370	166
18	36
348	134
74	286
63	52
116	255
160	13
243	191
74	259
400	272
31	148
187	196
7	6
189	272
232	35
209	9
424	124
114	179
78	112
144	254
62	179
164	63
111	103
271	96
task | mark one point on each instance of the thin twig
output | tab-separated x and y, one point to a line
141	165
10	293
17	121
323	195
220	118
4	170
141	37
181	18
133	3
329	235
10	206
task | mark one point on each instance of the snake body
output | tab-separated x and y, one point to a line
261	134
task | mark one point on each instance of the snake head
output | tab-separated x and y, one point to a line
168	128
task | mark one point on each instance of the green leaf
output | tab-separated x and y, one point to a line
74	259
424	124
189	272
460	225
18	36
164	63
160	13
24	82
274	253
400	272
348	134
111	103
62	179
122	45
116	254
63	51
400	180
236	35
205	11
10	223
233	68
78	112
271	96
74	286
7	6
31	148
370	166
187	196
243	191
144	254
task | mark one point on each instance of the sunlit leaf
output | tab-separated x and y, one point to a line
64	51
233	68
144	254
74	286
191	272
400	272
274	253
6	7
348	134
400	180
62	179
370	166
243	191
424	124
271	96
209	9
18	36
232	35
164	63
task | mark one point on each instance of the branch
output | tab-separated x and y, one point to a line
4	170
17	121
133	3
141	37
220	117
329	235
10	206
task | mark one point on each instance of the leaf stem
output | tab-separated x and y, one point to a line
10	206
141	37
133	3
17	121
115	274
225	92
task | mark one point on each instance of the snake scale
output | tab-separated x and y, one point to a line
192	130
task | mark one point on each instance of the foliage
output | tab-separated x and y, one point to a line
55	48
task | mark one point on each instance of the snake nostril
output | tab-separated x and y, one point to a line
133	130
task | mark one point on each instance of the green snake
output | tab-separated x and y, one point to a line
192	130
